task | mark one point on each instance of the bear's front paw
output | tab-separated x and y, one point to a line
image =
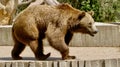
68	57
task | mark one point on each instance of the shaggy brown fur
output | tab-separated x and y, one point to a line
57	23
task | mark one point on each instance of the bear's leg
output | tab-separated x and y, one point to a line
41	55
38	50
59	44
56	38
17	49
68	37
40	44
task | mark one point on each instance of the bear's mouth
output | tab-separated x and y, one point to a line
92	33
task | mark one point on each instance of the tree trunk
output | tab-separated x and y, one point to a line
8	8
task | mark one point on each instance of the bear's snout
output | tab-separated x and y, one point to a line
94	29
95	32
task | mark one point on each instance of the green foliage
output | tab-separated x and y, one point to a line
20	8
105	10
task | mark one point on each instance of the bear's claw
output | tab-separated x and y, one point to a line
69	57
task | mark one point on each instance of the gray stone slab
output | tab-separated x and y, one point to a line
15	64
81	64
55	64
32	64
95	63
39	64
111	63
8	64
2	64
23	64
63	63
74	64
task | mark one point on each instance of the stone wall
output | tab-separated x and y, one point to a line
108	35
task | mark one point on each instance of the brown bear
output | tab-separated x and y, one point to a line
56	23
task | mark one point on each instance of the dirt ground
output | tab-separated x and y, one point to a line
81	53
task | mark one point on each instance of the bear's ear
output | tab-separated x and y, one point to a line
64	6
81	15
91	13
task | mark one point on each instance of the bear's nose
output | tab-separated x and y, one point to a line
95	31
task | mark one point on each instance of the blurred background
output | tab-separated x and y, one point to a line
106	11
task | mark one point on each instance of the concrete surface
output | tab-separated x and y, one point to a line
86	57
108	36
82	53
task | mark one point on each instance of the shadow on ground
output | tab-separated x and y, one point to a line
29	58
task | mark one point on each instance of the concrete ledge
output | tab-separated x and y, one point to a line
69	63
5	35
108	36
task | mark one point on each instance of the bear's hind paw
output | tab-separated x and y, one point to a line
44	57
17	58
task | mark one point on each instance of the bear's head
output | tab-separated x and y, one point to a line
84	23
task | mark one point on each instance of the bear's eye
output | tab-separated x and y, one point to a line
90	23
